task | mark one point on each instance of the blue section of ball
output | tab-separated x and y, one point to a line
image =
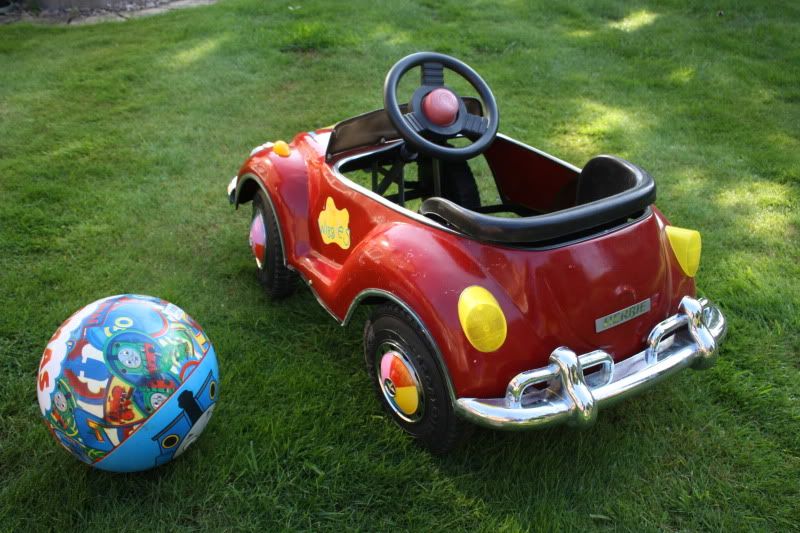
128	383
171	429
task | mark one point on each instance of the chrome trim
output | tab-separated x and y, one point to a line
310	286
687	339
375	292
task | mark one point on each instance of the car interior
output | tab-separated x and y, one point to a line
528	197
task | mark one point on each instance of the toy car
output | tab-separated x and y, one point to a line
572	292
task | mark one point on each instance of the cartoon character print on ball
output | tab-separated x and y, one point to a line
122	371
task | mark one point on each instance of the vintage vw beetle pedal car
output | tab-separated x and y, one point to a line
571	293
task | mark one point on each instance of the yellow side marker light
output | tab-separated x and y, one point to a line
282	149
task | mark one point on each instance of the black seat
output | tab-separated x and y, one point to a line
610	189
607	175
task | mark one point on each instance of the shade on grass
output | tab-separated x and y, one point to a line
117	141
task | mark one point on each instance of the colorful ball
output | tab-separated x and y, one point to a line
128	382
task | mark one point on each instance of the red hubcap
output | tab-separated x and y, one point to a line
440	106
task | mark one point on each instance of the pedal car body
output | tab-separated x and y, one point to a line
582	294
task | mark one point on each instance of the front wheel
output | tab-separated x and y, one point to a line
265	242
409	382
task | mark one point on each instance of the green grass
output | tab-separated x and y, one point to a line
117	141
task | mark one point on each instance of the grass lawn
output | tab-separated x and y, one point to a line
117	142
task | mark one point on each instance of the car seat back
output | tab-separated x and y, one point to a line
607	175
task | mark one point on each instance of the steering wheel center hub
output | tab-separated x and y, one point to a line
440	106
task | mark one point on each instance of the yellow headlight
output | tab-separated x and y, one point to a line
687	245
482	319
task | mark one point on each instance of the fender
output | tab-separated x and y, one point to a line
425	273
285	182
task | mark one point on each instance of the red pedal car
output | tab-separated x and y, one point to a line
571	292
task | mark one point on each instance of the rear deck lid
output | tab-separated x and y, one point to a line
605	293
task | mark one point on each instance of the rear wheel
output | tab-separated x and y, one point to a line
409	382
265	242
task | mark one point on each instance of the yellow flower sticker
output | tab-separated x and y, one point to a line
334	225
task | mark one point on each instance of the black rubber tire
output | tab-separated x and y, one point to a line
458	182
439	430
277	280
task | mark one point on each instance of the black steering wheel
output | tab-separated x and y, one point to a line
436	112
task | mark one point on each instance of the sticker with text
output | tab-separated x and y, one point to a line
334	225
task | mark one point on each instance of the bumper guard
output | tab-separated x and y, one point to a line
565	392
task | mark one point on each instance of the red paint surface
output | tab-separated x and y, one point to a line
550	297
440	106
530	179
392	368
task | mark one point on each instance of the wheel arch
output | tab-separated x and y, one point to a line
372	297
246	189
249	184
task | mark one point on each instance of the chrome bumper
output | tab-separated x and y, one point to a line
572	388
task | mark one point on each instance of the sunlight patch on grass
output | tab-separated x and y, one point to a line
389	34
683	183
72	149
765	206
600	123
635	21
580	34
761	194
195	53
309	37
750	275
682	75
784	140
605	118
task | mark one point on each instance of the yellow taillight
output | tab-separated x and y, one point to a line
687	245
482	319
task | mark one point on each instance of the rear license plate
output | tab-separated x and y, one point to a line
621	316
